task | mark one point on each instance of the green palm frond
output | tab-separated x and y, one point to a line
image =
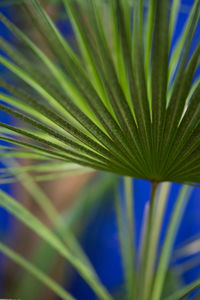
119	101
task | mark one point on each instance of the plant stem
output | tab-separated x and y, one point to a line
128	185
158	216
166	251
144	282
126	236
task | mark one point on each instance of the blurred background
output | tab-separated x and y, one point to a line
86	204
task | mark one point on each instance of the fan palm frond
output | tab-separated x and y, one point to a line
119	101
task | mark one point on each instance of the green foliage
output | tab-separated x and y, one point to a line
115	101
111	104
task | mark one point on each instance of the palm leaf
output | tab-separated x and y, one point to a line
41	276
53	240
125	122
88	200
